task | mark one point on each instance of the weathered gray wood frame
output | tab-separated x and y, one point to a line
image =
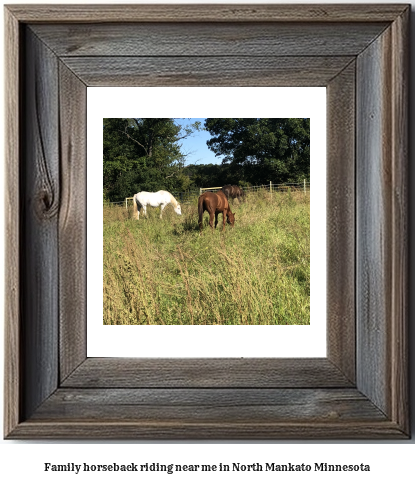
359	52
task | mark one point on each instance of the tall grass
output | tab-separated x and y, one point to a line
163	272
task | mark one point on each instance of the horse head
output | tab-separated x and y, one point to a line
230	218
178	209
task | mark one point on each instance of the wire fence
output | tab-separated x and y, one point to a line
186	196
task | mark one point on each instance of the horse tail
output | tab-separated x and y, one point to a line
135	209
200	210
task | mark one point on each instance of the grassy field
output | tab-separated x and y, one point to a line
163	272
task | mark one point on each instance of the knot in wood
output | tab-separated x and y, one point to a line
46	206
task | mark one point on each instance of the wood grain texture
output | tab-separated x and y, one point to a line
207	71
341	237
400	246
40	204
382	222
213	431
206	373
207	13
373	223
209	405
72	222
182	39
13	383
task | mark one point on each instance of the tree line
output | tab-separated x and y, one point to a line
147	154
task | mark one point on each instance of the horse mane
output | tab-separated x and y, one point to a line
173	200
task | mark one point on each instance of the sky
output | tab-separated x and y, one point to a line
196	145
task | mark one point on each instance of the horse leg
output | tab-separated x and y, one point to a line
211	217
216	219
224	219
145	210
162	208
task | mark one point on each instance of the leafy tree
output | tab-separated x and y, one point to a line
207	175
143	155
262	149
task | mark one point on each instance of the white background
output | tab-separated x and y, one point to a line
299	340
21	463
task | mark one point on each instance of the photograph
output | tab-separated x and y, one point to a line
206	221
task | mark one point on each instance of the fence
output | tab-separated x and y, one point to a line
185	197
202	190
281	187
304	186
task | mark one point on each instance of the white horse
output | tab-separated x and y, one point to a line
159	199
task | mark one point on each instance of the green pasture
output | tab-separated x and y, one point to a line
164	272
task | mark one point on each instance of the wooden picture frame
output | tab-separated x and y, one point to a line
360	53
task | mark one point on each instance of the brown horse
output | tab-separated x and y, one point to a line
214	204
233	191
